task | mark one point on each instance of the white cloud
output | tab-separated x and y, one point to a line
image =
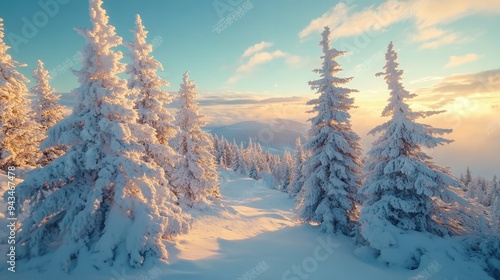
294	60
254	61
426	79
426	34
431	12
332	17
445	40
259	57
426	15
256	48
459	60
346	24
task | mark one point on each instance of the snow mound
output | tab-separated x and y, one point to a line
253	234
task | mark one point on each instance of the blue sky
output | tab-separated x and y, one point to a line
189	41
449	51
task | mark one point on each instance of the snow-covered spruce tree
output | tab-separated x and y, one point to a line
47	110
253	172
496	213
283	171
402	184
223	153
195	178
495	205
467	178
215	140
479	191
262	165
229	154
298	176
242	162
19	134
287	166
272	160
105	196
151	98
332	172
235	155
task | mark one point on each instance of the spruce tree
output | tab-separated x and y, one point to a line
468	177
287	168
495	205
47	110
105	197
253	172
332	172
195	178
298	176
151	97
19	133
496	213
402	185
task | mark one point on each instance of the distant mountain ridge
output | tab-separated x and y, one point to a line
275	135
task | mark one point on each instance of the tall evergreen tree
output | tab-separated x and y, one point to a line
223	157
468	177
495	204
496	212
261	162
478	190
105	196
298	176
332	172
47	110
19	134
195	175
151	97
287	168
253	172
243	161
215	140
229	154
402	183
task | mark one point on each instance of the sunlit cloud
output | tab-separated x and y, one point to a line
440	41
333	17
426	34
468	84
256	60
259	57
426	79
256	48
426	15
459	60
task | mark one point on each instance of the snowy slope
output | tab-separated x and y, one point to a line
274	135
254	235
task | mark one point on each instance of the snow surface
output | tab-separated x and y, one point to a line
253	232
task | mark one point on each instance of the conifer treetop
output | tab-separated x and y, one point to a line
47	111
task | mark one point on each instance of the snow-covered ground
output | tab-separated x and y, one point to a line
254	234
